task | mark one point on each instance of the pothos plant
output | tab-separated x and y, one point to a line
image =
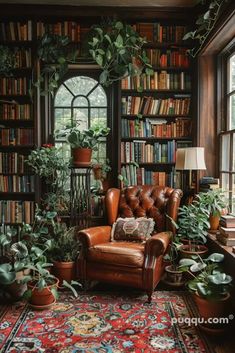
118	49
205	23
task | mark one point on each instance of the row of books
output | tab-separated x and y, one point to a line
156	32
15	183
168	58
141	176
158	81
20	136
15	111
13	163
14	86
142	152
70	29
207	183
16	31
16	211
152	127
23	58
148	105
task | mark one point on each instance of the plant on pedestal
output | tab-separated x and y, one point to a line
83	142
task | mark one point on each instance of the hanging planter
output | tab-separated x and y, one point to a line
118	49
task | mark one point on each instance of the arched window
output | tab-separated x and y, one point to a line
81	100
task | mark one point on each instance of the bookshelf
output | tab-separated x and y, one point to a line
17	125
156	110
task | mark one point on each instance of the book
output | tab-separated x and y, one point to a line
227	232
227	221
225	241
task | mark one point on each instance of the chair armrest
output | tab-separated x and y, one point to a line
95	235
157	244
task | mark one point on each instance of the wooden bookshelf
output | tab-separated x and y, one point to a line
155	104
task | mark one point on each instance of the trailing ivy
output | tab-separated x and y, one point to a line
205	23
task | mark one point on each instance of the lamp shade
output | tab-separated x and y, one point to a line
190	158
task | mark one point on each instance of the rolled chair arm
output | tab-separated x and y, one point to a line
95	235
157	244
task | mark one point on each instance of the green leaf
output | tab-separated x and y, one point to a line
206	15
215	257
187	262
119	25
54	292
69	286
99	60
119	41
103	77
107	37
197	267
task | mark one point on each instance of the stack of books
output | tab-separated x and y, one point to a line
208	183
226	235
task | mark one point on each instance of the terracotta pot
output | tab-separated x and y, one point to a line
185	251
173	276
214	223
81	156
212	308
44	296
97	171
64	271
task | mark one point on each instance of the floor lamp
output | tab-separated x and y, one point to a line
190	158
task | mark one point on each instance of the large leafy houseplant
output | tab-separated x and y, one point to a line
118	49
48	163
192	226
7	60
211	287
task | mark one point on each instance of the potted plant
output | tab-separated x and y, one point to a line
118	49
213	200
48	163
83	142
13	263
192	226
63	252
174	274
211	287
100	172
7	60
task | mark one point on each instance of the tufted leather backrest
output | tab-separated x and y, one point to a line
146	201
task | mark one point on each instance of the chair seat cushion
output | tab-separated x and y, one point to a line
119	253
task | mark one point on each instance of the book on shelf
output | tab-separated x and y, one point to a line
143	152
14	86
162	80
148	105
16	137
158	128
13	163
16	31
15	111
174	58
224	240
227	221
159	33
15	183
71	29
16	211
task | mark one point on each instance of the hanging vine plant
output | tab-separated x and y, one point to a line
118	49
55	54
205	24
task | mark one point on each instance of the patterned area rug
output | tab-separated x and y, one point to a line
102	323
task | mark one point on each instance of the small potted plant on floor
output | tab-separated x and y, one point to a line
63	252
83	142
173	273
211	287
215	202
192	226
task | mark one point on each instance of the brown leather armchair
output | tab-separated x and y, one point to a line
130	263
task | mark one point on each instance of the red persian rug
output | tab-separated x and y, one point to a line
102	323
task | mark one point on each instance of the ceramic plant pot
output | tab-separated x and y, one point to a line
42	297
64	271
82	156
187	252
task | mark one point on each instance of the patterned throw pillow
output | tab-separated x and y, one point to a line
132	229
